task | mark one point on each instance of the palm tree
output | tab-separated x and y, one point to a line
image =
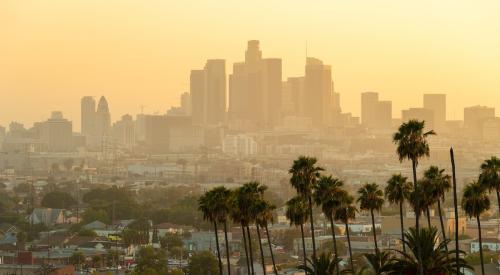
326	264
474	202
221	199
263	215
435	259
411	140
206	204
345	212
440	183
326	195
371	198
297	214
398	190
305	174
241	211
490	176
379	263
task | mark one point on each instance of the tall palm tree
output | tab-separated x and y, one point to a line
263	215
297	213
346	211
206	204
398	190
475	201
440	183
245	197
326	264
221	200
371	198
326	196
305	174
490	176
411	140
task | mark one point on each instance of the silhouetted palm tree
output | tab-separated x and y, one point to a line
435	259
297	213
490	176
475	201
379	263
440	184
371	198
263	215
222	200
398	190
326	264
327	196
207	205
305	174
346	211
411	140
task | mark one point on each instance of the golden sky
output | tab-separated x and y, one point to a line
138	52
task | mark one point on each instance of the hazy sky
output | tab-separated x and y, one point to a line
140	52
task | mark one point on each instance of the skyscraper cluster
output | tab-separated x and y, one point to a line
95	123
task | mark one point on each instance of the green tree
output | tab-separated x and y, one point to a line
412	144
297	213
371	198
170	240
490	176
58	199
326	196
304	178
440	183
398	190
475	201
91	215
346	211
77	259
150	258
203	263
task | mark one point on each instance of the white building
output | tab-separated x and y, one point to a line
239	145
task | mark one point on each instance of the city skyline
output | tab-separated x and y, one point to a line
58	52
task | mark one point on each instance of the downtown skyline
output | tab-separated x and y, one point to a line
453	51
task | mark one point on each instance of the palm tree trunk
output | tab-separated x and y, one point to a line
218	249
374	231
312	229
402	226
498	200
334	242
303	244
250	250
246	250
349	244
261	251
271	250
442	225
417	217
227	249
455	204
480	243
428	214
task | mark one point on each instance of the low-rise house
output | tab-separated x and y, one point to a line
164	228
491	244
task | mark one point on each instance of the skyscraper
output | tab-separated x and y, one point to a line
197	92
215	91
102	119
57	133
375	113
318	92
87	116
437	103
474	117
255	90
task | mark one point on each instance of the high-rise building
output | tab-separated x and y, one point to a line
124	131
421	114
437	103
255	90
57	133
102	119
318	92
375	113
215	91
474	117
197	92
186	103
87	116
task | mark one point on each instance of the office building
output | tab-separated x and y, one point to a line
215	91
474	117
437	103
197	94
87	115
57	133
375	113
318	92
102	119
239	145
124	131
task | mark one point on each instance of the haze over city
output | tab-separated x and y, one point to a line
141	53
249	137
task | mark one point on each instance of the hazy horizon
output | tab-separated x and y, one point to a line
138	53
